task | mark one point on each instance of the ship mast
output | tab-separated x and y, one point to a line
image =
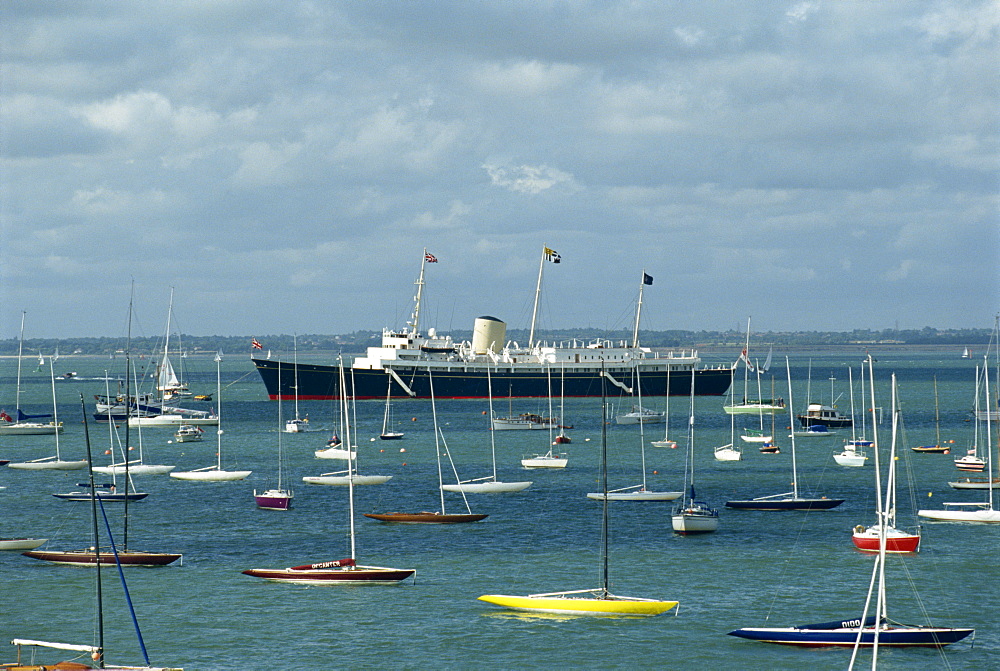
415	318
638	309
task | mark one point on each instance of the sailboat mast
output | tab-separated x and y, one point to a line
878	489
128	413
604	482
791	419
20	346
493	441
97	543
350	469
989	434
538	293
218	412
437	446
415	318
55	409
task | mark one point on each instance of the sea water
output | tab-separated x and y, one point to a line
759	569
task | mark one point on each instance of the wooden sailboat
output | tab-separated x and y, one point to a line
637	492
488	484
278	497
870	539
341	571
55	462
97	558
597	601
21	424
788	500
214	473
388	432
693	516
937	447
434	517
92	556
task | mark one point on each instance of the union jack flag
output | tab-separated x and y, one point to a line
430	258
256	344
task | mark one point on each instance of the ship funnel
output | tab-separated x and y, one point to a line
488	334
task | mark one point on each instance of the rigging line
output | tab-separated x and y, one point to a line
121	575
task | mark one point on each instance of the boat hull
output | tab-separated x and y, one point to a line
570	605
87	558
637	495
470	380
694	523
987	516
544	462
426	518
493	487
896	541
49	465
273	499
344	481
21	543
896	636
353	575
785	504
213	475
108	497
30	429
134	469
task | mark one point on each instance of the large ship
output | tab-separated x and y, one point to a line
406	359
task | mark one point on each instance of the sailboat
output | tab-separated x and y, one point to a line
55	462
730	451
896	540
435	517
297	424
981	512
635	492
666	442
214	473
853	453
751	406
937	447
693	516
597	601
277	498
92	556
340	571
346	450
97	558
388	432
488	484
21	424
168	384
550	459
788	500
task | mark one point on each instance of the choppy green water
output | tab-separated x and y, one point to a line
759	569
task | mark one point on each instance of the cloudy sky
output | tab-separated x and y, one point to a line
282	164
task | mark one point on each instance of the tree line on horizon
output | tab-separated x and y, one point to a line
358	341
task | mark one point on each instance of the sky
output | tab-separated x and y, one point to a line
282	165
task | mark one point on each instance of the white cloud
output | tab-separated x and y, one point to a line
531	179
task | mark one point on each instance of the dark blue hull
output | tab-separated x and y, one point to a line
934	637
321	382
785	504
